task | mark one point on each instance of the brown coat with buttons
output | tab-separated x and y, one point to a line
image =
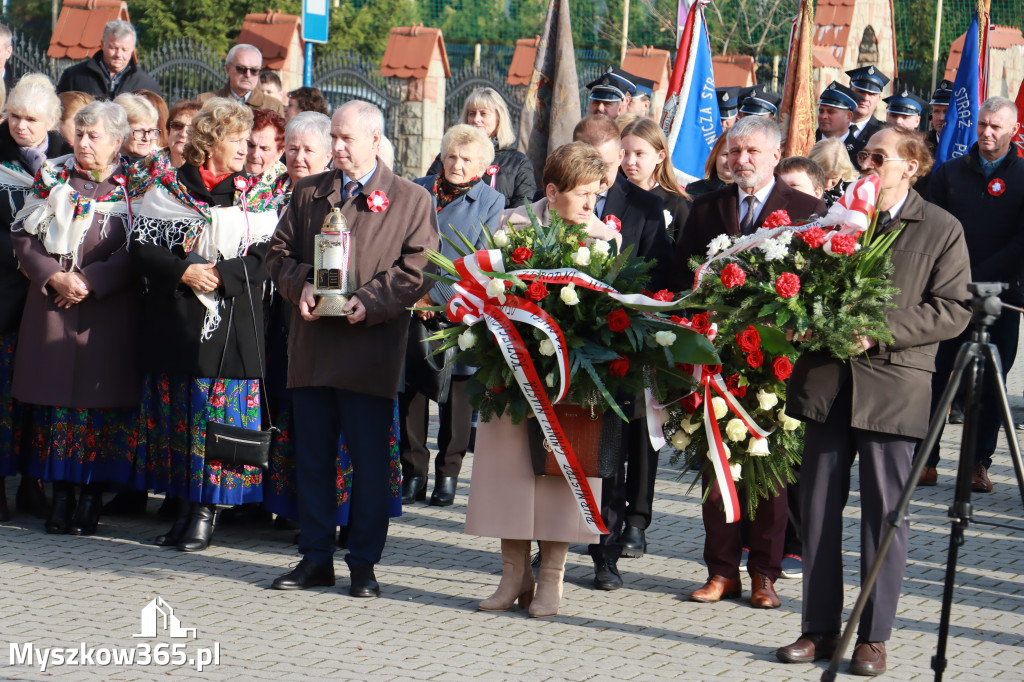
892	382
390	259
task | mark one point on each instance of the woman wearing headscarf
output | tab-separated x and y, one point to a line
27	137
200	243
464	204
76	369
510	172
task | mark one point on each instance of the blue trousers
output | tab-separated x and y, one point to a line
321	414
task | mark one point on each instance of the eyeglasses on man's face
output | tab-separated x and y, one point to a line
243	70
875	158
140	134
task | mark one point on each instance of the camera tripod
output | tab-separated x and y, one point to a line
975	357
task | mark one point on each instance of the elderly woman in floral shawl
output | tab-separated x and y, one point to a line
199	240
76	369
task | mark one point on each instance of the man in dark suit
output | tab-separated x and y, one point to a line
243	65
754	152
868	82
836	107
344	372
626	500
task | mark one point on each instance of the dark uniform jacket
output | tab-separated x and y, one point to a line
892	382
93	77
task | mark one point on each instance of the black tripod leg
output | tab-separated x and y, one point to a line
967	352
1011	431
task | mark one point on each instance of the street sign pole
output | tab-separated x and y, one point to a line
314	30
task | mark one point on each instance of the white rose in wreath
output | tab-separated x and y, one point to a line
718	244
550	380
546	347
601	247
719	407
736	470
689	425
582	257
496	289
467	339
568	295
786	422
680	439
735	430
664	338
766	400
757	447
501	239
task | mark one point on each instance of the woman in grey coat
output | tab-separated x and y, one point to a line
464	204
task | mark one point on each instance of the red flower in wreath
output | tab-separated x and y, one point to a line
613	222
755	359
749	339
996	187
619	366
732	276
520	255
701	323
377	201
787	285
814	237
536	291
691	402
618	320
778	218
732	382
782	368
844	244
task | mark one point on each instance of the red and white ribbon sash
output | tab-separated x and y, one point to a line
470	305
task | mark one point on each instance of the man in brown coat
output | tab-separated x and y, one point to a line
344	371
876	405
243	65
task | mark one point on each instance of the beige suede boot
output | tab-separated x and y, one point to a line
516	578
549	580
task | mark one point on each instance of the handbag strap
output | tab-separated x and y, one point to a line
227	335
259	353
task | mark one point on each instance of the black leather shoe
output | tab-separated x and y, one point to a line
87	513
127	503
283	523
177	529
31	498
170	508
606	575
444	492
5	511
364	582
343	537
633	542
61	509
200	528
414	489
306	575
245	514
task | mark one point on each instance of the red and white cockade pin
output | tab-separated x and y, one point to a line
996	187
242	183
493	172
613	222
377	201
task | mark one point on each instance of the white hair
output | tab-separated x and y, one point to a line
117	29
110	114
312	123
996	103
6	37
137	108
34	93
369	115
751	125
241	47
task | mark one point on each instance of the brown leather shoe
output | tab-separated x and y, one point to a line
929	476
812	646
762	592
981	482
868	659
718	588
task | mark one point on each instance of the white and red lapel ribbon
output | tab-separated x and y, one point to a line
470	305
714	383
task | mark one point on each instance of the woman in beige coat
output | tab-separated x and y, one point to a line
506	499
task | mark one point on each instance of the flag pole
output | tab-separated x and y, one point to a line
935	47
625	30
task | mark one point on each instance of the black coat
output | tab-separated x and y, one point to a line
13	284
515	179
993	224
718	213
700	187
677	207
92	76
172	317
643	226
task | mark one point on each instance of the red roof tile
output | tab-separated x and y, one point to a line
521	68
822	56
832	21
271	32
650	63
79	29
410	50
734	70
1000	38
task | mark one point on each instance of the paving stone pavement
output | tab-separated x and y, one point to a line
62	591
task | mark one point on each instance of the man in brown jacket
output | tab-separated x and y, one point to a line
243	65
876	405
344	371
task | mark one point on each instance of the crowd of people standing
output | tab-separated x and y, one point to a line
157	265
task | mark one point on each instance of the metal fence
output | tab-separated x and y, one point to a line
184	68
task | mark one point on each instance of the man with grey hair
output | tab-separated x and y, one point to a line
742	207
6	48
982	189
344	371
243	65
112	71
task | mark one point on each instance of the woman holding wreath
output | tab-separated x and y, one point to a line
76	368
200	243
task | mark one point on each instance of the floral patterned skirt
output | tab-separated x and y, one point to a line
171	458
12	412
77	445
281	487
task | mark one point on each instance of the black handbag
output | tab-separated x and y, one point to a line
596	441
430	375
234	446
